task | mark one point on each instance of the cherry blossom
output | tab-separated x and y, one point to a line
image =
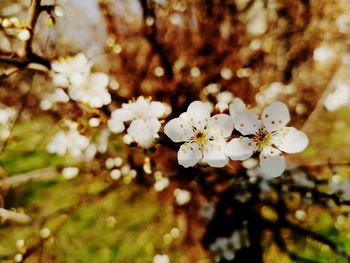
68	142
267	134
204	137
338	98
93	91
6	114
71	70
161	259
144	117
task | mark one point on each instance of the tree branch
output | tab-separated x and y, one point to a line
14	216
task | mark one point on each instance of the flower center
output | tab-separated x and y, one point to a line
262	139
200	137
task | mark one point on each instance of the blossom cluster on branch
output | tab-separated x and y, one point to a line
206	139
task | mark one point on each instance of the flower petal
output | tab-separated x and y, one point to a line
189	154
275	116
220	125
214	153
247	122
178	130
115	125
272	162
236	105
198	114
240	148
290	140
157	108
141	133
154	126
122	115
99	80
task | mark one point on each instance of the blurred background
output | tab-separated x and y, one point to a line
296	51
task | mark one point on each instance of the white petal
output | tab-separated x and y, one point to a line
275	116
79	61
236	106
122	115
240	148
60	80
290	140
198	114
115	125
154	126
142	133
178	130
247	122
157	108
220	125
189	154
78	79
214	153
271	162
99	80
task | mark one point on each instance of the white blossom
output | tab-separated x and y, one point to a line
339	187
70	172
6	114
144	116
338	98
71	70
204	137
68	142
267	134
161	259
182	197
93	91
58	95
224	98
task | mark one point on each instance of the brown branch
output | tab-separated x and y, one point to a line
28	55
151	36
37	175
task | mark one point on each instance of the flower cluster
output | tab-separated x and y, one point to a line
143	115
226	247
69	142
205	138
83	86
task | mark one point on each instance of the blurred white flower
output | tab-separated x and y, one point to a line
338	98
269	94
6	114
161	184
161	259
224	98
207	210
182	197
324	53
93	91
144	116
102	141
268	135
226	247
204	137
70	172
59	95
339	187
70	71
68	142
